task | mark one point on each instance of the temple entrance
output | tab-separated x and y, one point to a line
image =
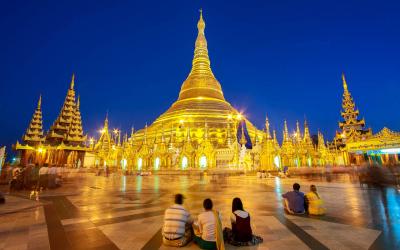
157	163
139	164
203	161
184	163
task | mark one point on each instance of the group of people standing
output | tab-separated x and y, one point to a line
180	228
296	202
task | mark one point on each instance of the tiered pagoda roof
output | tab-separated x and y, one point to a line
34	133
352	127
75	133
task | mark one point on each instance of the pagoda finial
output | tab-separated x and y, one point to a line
39	105
72	81
267	127
106	122
285	132
344	82
78	102
201	61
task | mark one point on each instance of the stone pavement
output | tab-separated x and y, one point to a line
120	212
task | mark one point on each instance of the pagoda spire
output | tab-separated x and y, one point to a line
267	128
201	81
72	81
285	132
352	127
34	133
298	133
344	83
75	134
59	130
201	61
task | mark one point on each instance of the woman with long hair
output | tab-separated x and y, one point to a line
241	233
314	203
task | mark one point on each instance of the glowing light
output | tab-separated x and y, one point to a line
230	116
390	151
91	140
115	131
124	163
184	163
101	131
181	121
40	150
113	147
157	163
239	116
203	161
139	164
277	161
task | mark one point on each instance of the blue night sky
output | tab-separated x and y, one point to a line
281	58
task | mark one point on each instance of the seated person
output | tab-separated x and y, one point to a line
207	228
177	229
241	233
314	203
294	200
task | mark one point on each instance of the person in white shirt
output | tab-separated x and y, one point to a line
52	174
205	227
177	229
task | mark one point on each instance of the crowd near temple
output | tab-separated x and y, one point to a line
202	131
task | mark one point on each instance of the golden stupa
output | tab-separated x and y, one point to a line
201	103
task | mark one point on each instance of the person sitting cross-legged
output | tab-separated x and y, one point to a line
208	229
241	233
177	229
293	201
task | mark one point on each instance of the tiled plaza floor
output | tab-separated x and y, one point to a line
118	212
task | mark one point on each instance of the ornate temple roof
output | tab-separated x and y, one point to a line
34	133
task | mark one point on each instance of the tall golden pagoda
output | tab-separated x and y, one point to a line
352	127
287	149
34	133
199	119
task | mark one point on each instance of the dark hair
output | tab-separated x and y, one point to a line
207	204
237	204
296	186
179	199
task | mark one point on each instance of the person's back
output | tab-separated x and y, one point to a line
314	202
175	219
177	224
241	227
206	221
295	200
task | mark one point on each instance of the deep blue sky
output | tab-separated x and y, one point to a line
283	58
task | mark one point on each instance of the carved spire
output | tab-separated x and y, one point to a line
298	133
352	127
201	81
72	82
59	130
285	132
34	133
75	134
344	83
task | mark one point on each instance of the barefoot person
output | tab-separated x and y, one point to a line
294	200
241	233
177	229
208	229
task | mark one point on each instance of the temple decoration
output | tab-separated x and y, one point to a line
34	134
352	128
64	144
